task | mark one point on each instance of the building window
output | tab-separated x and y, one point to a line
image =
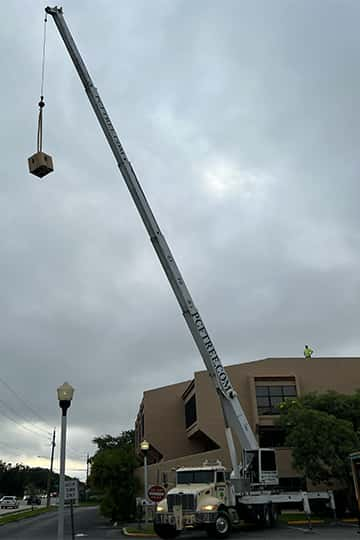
220	477
271	436
190	411
268	398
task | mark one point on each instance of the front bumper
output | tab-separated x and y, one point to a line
206	517
190	519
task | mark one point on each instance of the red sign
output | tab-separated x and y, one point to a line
156	493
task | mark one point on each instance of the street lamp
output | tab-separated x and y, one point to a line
65	394
144	445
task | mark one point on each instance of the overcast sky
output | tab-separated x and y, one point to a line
241	119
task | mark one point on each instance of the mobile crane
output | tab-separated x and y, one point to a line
217	503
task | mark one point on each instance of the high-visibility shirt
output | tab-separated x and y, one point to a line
308	352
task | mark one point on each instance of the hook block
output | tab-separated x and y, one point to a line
40	164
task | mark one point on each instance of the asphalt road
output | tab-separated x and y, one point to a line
335	532
88	524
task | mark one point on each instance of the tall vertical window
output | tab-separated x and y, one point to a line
190	411
142	429
269	397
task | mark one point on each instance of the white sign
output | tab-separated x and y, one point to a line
71	490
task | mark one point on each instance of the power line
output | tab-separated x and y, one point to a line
20	425
16	414
27	428
41	418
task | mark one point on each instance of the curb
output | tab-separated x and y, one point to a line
305	522
320	521
14	512
139	535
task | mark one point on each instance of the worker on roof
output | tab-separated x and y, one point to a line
308	351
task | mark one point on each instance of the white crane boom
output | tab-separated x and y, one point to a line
233	413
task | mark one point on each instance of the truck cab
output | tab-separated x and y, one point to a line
201	499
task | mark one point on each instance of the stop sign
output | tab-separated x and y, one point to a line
156	493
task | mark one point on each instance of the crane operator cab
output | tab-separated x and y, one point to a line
260	467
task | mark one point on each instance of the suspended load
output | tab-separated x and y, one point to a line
40	163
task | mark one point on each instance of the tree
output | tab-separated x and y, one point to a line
126	439
321	429
112	472
343	406
16	479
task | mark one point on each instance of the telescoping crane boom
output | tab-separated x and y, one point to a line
234	416
215	505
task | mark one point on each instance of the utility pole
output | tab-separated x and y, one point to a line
48	489
87	474
87	469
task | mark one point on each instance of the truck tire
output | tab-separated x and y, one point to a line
222	526
165	531
267	516
274	516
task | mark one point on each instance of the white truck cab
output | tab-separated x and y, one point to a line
201	499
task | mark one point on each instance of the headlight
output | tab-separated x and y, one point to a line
209	507
160	508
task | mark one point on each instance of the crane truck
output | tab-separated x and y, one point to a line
205	497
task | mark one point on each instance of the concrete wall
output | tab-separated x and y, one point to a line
165	421
165	418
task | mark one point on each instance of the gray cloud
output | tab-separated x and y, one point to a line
242	123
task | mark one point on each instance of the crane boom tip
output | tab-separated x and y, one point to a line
53	10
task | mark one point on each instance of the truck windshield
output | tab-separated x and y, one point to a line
195	477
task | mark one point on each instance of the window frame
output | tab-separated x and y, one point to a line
190	411
270	395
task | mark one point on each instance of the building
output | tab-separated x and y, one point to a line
184	425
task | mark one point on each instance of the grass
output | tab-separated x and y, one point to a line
302	517
146	529
296	516
24	514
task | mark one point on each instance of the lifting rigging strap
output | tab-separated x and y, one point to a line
41	102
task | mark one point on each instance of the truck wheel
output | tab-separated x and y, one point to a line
222	526
165	531
267	517
274	516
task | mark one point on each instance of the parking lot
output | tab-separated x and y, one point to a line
22	506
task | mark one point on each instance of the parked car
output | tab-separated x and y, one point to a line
33	499
8	501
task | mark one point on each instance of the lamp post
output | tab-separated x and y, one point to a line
65	394
144	445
